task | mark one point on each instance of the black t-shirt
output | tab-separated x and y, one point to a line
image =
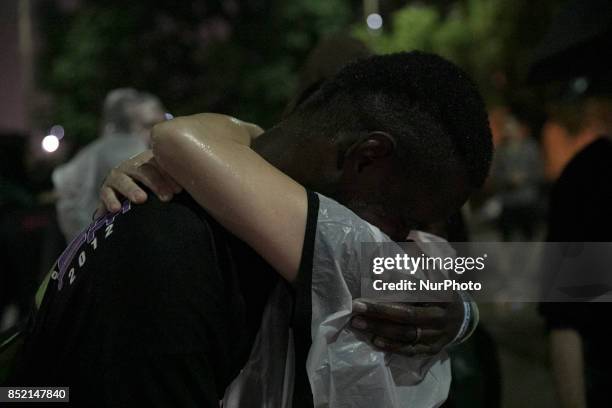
581	199
581	211
157	305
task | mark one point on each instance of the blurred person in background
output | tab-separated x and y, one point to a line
515	177
578	159
128	116
578	152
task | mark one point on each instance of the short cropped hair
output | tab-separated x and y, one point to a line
428	104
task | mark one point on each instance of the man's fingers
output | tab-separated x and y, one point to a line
109	199
400	312
405	334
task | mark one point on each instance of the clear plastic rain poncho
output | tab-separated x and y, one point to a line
343	370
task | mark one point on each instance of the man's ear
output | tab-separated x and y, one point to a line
370	149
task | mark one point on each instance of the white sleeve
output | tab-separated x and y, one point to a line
344	240
338	243
76	192
343	368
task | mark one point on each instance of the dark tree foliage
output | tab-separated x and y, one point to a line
233	56
242	56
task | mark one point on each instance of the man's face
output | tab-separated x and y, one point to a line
397	211
397	200
368	180
419	203
379	213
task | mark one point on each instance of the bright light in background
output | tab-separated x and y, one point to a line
50	143
374	21
580	85
168	116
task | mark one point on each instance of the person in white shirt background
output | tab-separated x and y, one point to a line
127	118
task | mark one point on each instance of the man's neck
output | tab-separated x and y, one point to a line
310	164
269	146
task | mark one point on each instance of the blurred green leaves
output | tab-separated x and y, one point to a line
242	56
239	57
486	37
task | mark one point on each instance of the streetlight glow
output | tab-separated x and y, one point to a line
374	21
50	143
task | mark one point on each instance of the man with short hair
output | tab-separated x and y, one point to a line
127	118
578	153
160	304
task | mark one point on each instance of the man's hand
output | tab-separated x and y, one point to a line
408	328
122	181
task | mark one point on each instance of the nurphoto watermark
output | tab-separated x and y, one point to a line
489	271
